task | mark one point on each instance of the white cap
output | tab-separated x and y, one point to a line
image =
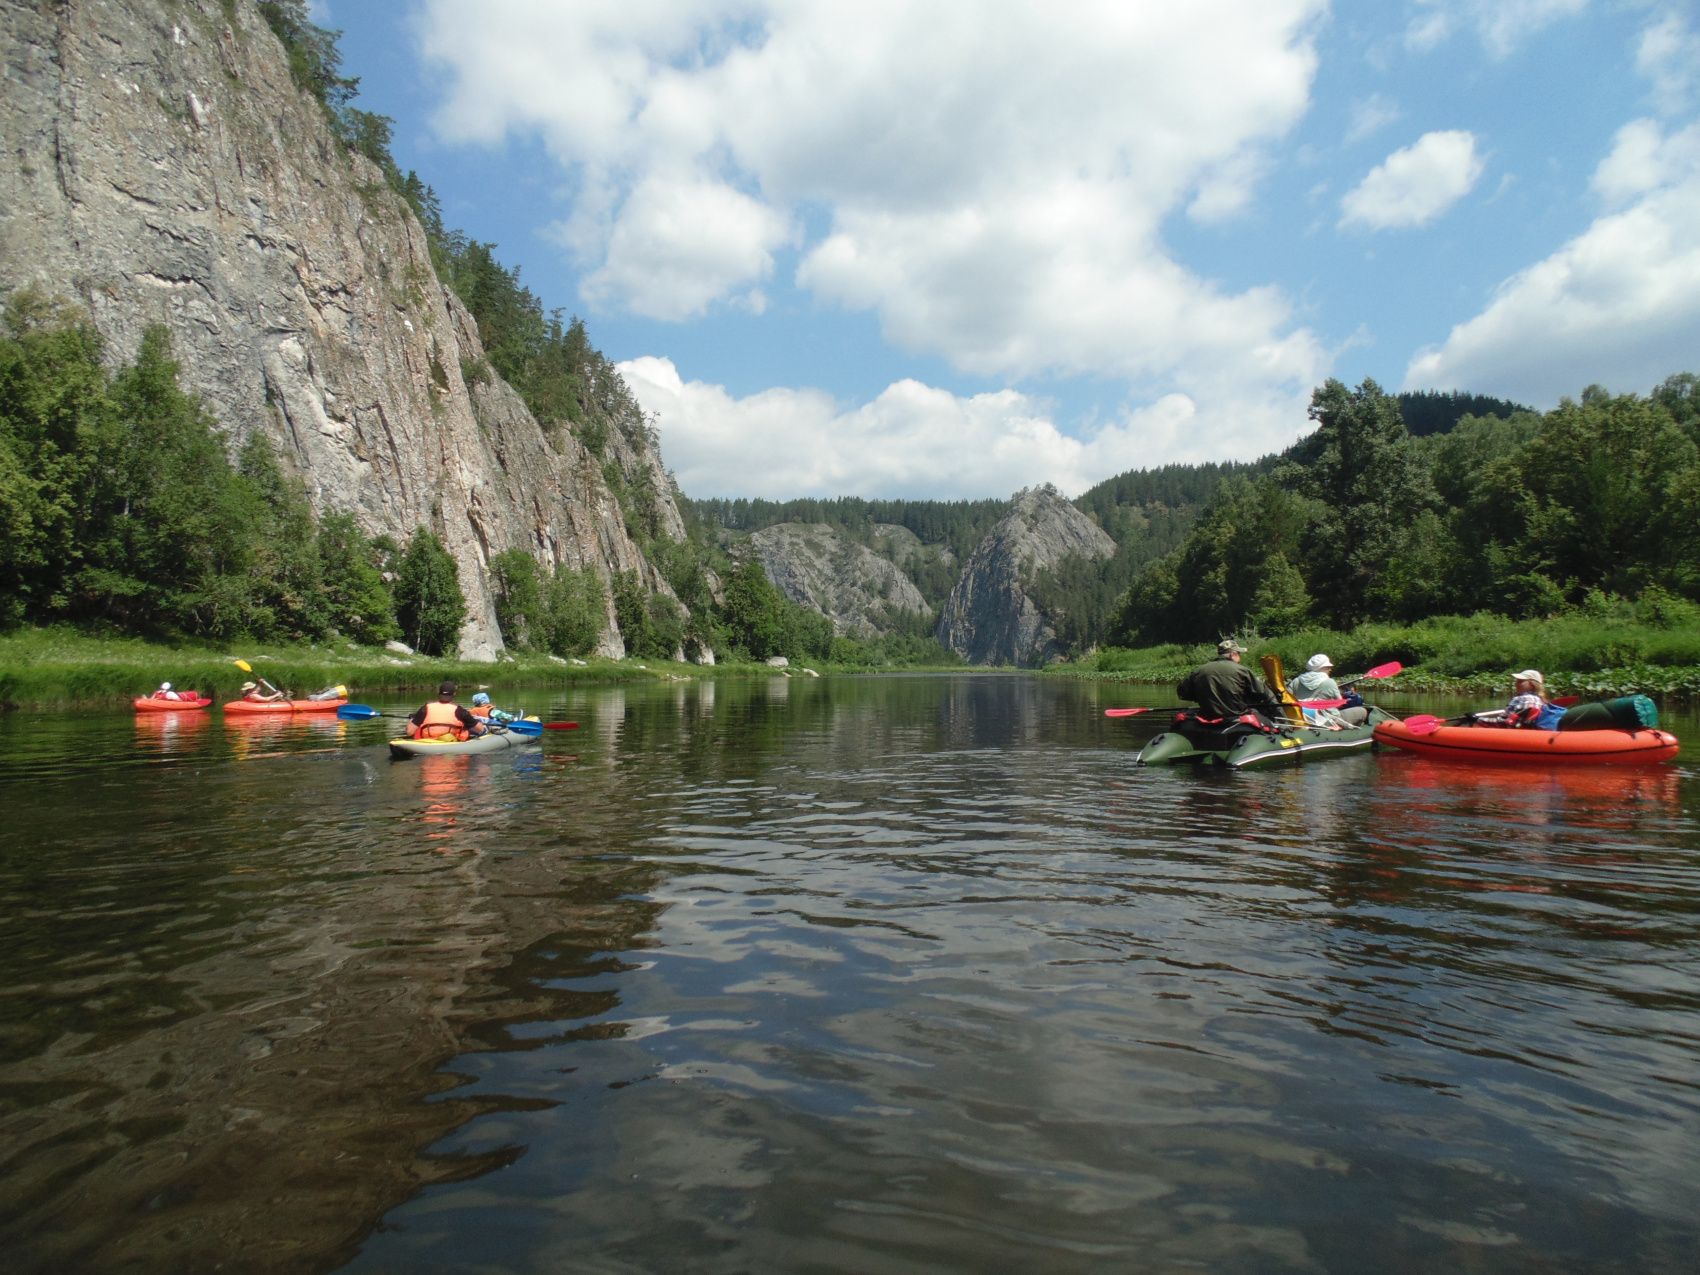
1318	662
1529	675
165	686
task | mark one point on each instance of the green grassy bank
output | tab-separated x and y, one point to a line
42	668
63	668
1580	654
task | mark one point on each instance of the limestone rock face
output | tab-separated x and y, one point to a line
814	566
163	168
990	617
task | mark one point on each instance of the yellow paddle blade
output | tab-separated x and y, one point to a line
243	665
1278	684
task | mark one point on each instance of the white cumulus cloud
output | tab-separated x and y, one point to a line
935	163
1500	25
681	243
1413	186
1669	56
917	440
1621	300
1370	115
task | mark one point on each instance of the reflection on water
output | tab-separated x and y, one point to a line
845	974
167	734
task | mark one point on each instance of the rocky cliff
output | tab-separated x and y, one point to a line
990	617
816	567
165	169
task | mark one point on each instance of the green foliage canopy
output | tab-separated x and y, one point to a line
429	604
1521	514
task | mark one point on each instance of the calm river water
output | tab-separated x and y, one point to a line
896	974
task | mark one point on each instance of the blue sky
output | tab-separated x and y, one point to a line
930	248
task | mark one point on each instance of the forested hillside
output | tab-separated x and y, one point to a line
1428	412
956	524
948	529
1526	515
1148	513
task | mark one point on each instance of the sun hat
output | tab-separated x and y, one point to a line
1227	646
1317	663
481	698
165	686
249	686
1529	675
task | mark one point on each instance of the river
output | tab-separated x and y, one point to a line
841	974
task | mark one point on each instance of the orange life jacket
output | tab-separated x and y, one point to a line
481	710
441	721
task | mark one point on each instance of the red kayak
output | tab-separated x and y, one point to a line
243	707
1500	745
189	700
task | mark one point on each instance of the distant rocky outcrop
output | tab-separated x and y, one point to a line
905	548
816	567
990	617
163	168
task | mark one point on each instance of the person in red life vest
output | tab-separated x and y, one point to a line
252	692
443	718
165	692
482	707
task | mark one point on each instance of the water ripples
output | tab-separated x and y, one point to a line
835	976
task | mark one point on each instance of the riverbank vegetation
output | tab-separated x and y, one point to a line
1607	646
121	512
60	666
1567	540
1532	516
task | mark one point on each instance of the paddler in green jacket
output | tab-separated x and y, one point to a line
1225	688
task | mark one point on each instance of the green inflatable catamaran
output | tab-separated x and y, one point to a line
1252	740
1237	744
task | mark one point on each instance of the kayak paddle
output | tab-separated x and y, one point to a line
1182	708
521	727
1426	724
532	730
1391	669
357	712
249	668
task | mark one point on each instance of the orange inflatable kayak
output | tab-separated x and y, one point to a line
1500	745
151	704
243	707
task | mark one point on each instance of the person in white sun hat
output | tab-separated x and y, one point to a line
1317	682
1528	706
